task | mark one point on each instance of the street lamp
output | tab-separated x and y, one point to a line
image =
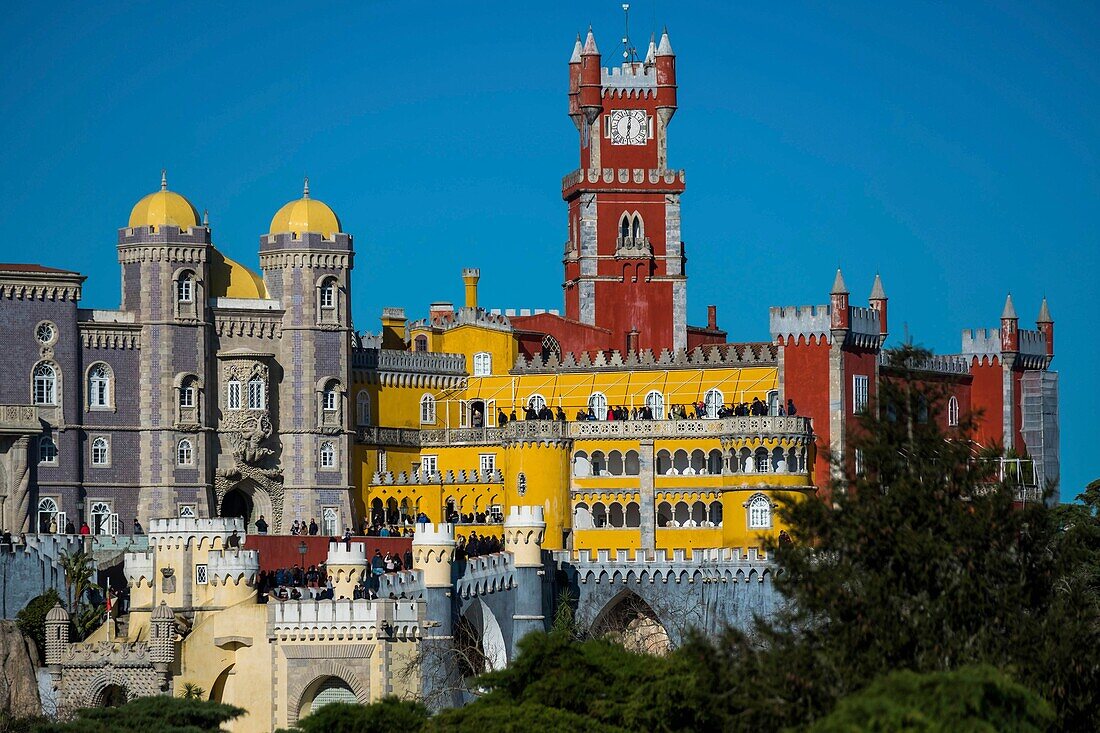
302	549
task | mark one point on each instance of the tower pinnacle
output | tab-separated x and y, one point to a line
305	188
1009	310
1044	313
838	284
163	179
877	291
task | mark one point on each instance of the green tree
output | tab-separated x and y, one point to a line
32	620
920	562
191	691
388	715
974	699
162	713
85	615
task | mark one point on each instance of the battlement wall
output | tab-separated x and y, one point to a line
799	320
716	355
343	619
981	341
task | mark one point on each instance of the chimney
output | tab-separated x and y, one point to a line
712	318
393	328
632	341
470	276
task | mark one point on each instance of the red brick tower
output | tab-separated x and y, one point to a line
624	261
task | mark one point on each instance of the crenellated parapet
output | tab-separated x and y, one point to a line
524	531
400	368
34	283
233	567
681	566
487	574
181	532
110	336
939	363
606	179
433	551
343	620
717	355
726	428
799	323
463	317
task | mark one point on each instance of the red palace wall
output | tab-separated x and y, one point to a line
281	551
573	336
985	395
806	381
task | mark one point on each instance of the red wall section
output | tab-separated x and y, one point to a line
806	381
572	335
986	396
281	551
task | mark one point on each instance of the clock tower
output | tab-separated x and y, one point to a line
624	261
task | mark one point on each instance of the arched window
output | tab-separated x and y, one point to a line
636	230
101	452
427	410
953	411
101	519
329	399
597	403
256	396
328	294
47	451
328	454
99	386
233	394
420	343
483	364
550	348
45	385
47	517
655	401
536	402
760	512
624	227
330	521
185	288
713	401
362	407
185	453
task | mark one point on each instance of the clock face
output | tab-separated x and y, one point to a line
629	127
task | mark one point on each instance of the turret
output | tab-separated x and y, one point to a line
665	61
393	328
1045	324
838	298
347	565
877	302
57	638
524	529
1010	332
433	552
470	276
575	83
590	93
162	641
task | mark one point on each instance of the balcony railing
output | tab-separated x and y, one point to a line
19	419
727	427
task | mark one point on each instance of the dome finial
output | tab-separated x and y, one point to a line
163	179
206	217
305	188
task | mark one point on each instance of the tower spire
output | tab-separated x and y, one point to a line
838	284
305	188
163	179
1044	313
877	291
577	48
1009	310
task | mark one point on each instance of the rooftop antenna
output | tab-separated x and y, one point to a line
630	54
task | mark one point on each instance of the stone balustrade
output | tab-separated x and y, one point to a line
19	420
722	428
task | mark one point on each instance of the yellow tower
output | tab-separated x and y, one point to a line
347	565
536	472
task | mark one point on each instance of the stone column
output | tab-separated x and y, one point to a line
646	502
20	485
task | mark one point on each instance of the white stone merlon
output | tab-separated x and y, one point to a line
187	530
795	321
233	565
525	516
428	533
340	553
342	619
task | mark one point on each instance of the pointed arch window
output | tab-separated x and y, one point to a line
362	408
256	396
624	227
953	411
550	348
233	394
99	386
636	228
45	385
760	512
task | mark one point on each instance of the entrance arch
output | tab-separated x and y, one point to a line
221	685
630	621
480	641
323	691
248	500
111	696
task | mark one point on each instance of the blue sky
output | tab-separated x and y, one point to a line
953	147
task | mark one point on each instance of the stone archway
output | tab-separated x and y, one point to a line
249	501
222	686
300	697
112	696
480	641
630	621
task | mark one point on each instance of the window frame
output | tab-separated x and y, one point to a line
710	407
328	294
185	288
759	502
953	412
326	455
595	399
362	408
185	444
487	462
233	394
44	384
429	464
256	388
483	364
861	385
100	386
53	459
101	446
658	414
428	414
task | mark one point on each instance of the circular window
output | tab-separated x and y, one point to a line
45	333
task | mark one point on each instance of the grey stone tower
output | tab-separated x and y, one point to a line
306	262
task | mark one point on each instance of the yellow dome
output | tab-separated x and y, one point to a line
164	208
305	215
230	279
